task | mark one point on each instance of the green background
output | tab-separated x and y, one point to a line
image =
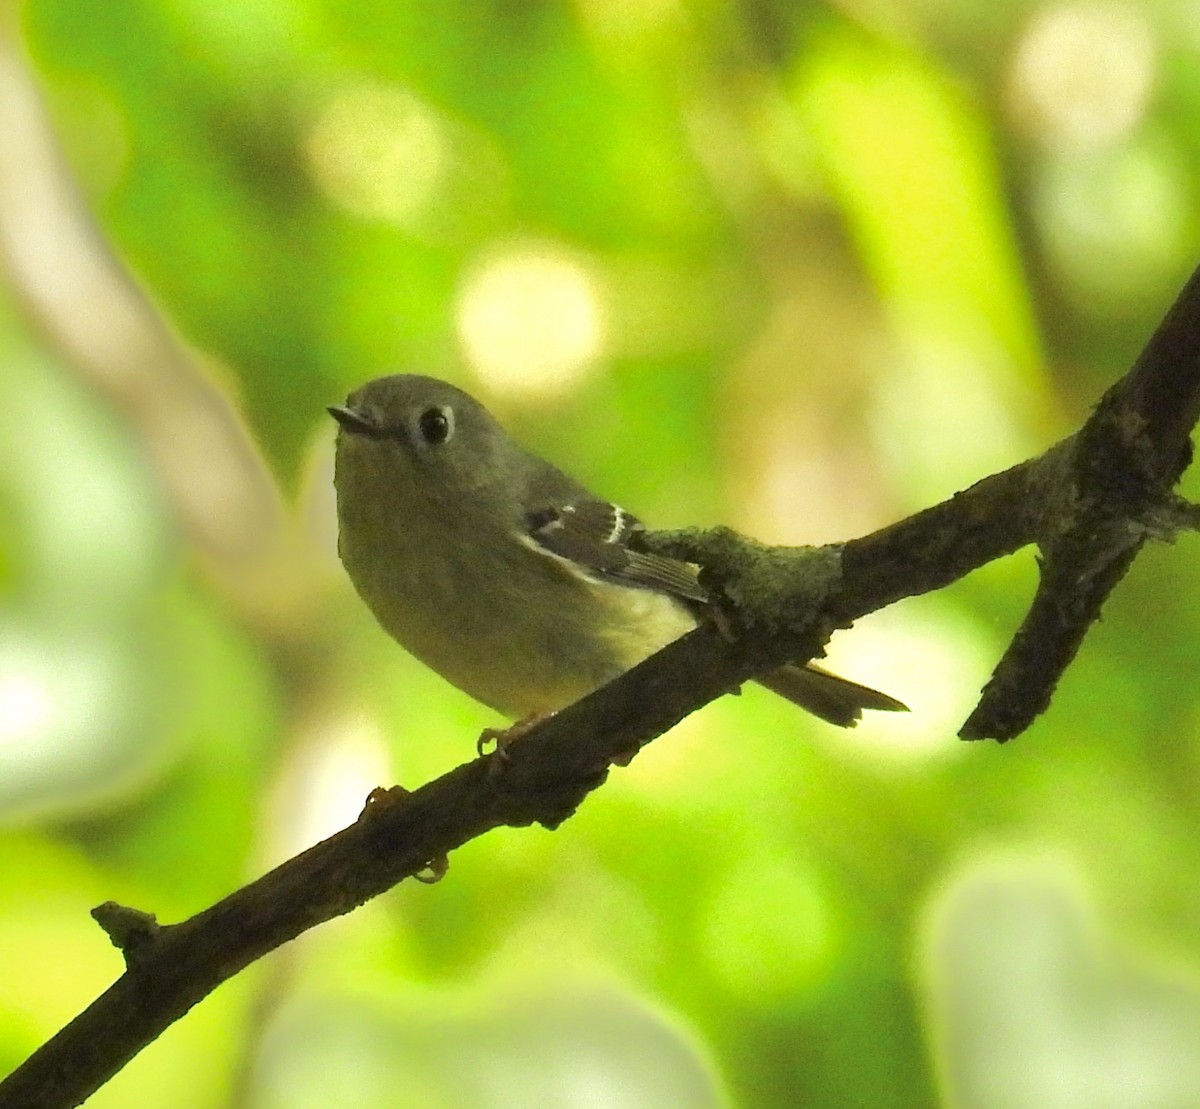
800	268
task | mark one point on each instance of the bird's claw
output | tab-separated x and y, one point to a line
382	797
501	739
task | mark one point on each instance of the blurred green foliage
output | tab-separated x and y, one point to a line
791	266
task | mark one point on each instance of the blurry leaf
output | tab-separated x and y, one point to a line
190	838
909	157
572	1044
1034	1007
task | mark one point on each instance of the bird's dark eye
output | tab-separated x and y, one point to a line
436	425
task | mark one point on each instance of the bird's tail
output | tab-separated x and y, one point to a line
834	699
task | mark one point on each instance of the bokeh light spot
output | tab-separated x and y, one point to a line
1116	224
531	320
932	657
379	151
326	783
26	708
1083	74
68	728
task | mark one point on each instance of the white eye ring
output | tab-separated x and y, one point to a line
436	425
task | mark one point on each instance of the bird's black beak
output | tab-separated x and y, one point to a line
352	421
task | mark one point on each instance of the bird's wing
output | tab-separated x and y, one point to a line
593	536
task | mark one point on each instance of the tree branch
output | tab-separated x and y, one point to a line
1117	493
1089	503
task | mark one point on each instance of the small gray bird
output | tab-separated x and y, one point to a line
501	573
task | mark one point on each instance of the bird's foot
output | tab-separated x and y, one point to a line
500	739
382	797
